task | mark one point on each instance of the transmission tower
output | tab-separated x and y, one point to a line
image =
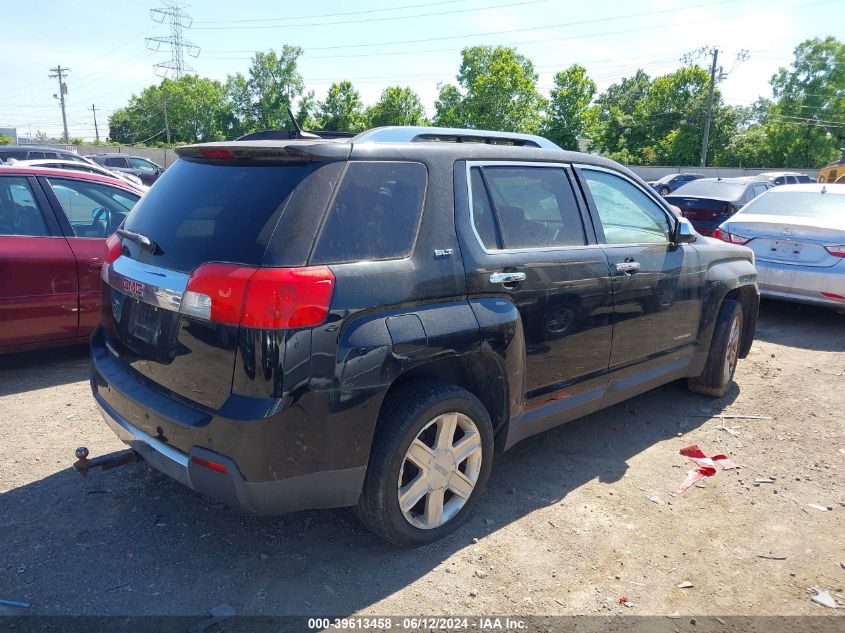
174	14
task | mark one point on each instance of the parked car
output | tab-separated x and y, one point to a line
834	171
412	306
797	233
145	169
786	177
670	182
53	225
37	152
92	168
708	202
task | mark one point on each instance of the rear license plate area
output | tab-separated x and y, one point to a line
145	323
786	250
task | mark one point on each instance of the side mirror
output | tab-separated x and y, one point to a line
685	232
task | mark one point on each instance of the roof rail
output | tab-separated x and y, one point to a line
416	134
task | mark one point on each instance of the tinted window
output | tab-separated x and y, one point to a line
94	210
200	212
482	211
375	214
36	155
12	153
804	179
722	189
116	162
534	206
19	212
143	165
627	214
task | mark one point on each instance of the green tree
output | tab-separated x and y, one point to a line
612	129
197	110
261	100
566	119
5	140
342	111
306	111
497	91
448	110
396	106
804	122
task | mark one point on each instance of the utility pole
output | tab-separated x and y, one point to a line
58	73
715	53
96	131
166	122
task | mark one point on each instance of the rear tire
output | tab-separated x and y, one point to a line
724	352
417	494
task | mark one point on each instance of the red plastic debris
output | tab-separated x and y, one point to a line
623	600
706	465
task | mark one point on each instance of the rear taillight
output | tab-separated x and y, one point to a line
267	298
731	238
113	248
837	251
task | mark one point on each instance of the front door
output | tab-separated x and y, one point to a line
38	279
656	283
526	241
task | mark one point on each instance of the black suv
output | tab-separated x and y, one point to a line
313	324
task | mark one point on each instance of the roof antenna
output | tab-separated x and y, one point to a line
297	132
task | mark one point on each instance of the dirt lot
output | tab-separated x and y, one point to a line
566	527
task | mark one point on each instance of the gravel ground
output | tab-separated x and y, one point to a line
572	521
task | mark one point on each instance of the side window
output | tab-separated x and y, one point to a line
758	189
482	211
534	207
93	210
375	214
143	165
628	215
115	162
19	212
36	155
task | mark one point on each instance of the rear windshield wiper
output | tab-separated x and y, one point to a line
145	242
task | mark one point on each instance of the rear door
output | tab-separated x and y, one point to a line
656	283
38	285
526	241
88	212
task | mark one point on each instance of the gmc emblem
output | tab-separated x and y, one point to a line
133	287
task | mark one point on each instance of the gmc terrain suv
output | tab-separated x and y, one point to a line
292	324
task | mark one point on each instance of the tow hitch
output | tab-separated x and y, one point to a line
105	462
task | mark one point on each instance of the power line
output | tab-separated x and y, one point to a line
367	20
289	18
177	18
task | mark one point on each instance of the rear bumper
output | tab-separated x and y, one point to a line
125	403
804	284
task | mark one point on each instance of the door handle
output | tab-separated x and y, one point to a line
506	278
627	267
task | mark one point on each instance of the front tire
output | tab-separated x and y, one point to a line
724	352
429	464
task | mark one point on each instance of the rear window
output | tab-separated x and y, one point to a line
375	214
805	204
712	188
200	212
12	153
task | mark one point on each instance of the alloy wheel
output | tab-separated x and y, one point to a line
439	471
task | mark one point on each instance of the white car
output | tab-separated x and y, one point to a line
797	233
86	167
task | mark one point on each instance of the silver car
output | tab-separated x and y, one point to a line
797	233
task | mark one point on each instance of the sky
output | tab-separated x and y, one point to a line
377	43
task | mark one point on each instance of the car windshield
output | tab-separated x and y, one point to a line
805	204
725	189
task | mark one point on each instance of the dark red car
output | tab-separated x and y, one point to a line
53	228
